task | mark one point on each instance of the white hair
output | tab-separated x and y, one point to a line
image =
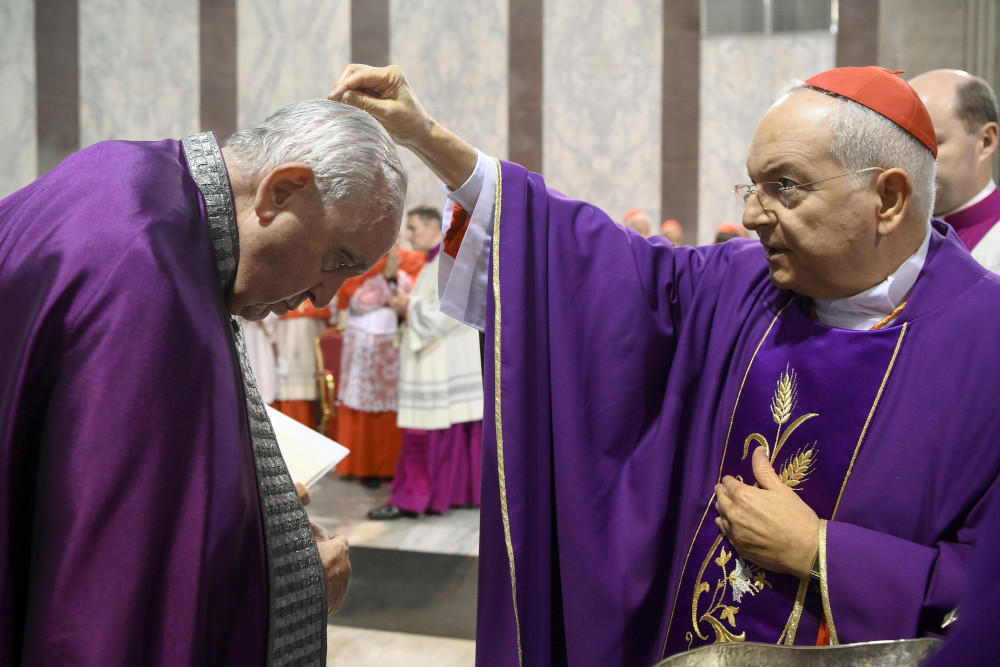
865	138
350	154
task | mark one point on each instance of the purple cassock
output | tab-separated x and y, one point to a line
972	223
130	524
629	376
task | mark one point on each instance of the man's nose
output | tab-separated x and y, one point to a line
755	215
324	292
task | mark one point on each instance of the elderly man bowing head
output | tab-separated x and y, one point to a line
723	443
146	511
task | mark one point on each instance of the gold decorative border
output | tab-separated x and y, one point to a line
725	449
792	626
824	586
871	413
498	417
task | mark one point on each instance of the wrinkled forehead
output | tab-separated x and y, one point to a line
798	124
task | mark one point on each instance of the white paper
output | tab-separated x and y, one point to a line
308	453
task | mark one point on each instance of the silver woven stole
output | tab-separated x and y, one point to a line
297	626
297	630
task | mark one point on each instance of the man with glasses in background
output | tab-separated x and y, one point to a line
751	441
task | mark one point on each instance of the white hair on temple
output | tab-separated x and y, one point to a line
865	138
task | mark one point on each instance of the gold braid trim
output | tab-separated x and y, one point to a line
792	627
497	406
824	586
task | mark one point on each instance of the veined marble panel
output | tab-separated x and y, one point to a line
288	51
19	102
139	70
602	107
740	79
454	54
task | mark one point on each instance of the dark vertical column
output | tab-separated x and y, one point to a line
370	32
217	41
525	83
57	65
681	81
857	33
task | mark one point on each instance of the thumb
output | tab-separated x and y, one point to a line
763	471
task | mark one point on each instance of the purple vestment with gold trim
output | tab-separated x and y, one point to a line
630	375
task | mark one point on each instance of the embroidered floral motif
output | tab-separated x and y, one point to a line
746	578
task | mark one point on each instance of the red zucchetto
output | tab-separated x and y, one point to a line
885	92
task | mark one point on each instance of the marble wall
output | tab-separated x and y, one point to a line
288	51
138	69
740	79
601	75
18	103
454	54
601	111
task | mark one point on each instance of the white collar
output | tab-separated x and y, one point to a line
865	309
983	194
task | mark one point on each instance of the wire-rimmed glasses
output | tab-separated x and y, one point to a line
778	192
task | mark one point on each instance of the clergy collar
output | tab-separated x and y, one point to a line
865	309
208	169
983	194
433	252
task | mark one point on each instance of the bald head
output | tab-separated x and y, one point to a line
963	109
639	221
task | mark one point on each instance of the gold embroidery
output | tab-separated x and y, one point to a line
497	407
871	413
782	406
792	626
725	449
797	470
794	473
824	586
745	578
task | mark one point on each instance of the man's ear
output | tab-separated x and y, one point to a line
281	188
895	192
988	140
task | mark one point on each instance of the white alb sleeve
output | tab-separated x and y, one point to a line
463	282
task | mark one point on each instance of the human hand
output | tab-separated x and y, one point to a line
399	301
385	93
391	263
770	526
303	492
335	554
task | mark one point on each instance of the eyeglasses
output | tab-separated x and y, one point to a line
778	192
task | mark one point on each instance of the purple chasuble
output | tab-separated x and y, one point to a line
130	525
628	376
973	640
972	223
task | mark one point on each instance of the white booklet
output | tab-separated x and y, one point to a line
308	453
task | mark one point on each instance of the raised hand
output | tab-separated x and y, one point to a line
385	93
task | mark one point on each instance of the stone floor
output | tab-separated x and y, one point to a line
341	506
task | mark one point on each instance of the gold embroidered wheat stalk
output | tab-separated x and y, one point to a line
784	398
797	470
